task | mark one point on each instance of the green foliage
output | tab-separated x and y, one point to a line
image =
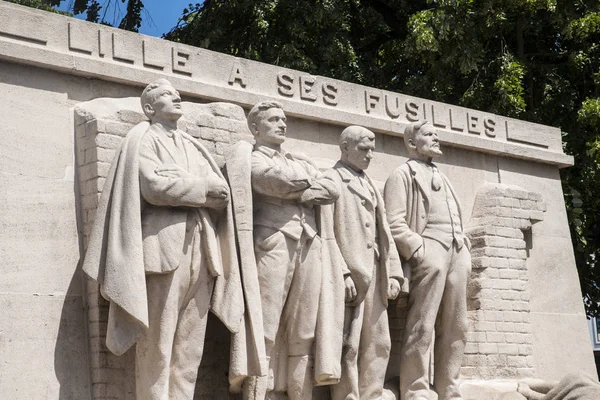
39	4
538	60
130	20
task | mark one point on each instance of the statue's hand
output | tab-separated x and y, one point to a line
393	289
350	289
171	171
417	258
217	188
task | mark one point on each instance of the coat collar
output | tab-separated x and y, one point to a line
352	178
417	169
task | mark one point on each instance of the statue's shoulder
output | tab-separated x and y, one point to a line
405	169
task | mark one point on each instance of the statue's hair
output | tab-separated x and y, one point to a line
258	108
354	134
411	131
148	95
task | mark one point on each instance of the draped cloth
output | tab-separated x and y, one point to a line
115	260
328	335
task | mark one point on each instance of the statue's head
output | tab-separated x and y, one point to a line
357	145
421	140
160	101
266	121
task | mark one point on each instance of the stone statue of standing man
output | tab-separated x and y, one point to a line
371	269
427	225
162	249
297	297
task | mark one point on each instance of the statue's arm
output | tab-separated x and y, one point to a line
395	195
323	189
275	180
185	190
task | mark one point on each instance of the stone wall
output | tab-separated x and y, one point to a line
49	64
500	334
100	126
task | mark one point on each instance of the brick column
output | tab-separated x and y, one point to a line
499	344
99	132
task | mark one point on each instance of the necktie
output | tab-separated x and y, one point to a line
436	179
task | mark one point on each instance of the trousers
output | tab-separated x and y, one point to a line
437	300
366	348
169	353
289	273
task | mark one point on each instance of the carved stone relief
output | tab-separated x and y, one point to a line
311	199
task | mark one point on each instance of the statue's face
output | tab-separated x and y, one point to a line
166	103
270	128
360	152
426	142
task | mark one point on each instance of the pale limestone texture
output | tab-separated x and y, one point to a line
298	274
372	269
426	222
500	339
50	63
100	126
162	249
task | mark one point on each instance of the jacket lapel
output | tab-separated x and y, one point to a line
353	183
416	171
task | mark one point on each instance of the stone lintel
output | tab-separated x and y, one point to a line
33	37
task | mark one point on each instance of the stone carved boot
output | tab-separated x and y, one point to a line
300	377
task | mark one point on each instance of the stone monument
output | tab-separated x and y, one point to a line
162	249
70	91
292	273
425	219
371	269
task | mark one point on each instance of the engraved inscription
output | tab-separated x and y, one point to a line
306	87
78	41
181	61
120	50
237	75
330	92
371	100
153	59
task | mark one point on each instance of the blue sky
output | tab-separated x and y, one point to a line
158	17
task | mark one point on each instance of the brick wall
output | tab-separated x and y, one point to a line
499	344
100	126
499	340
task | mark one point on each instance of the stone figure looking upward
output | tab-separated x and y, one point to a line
426	222
286	188
163	251
372	270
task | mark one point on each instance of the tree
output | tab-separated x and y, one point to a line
537	60
96	11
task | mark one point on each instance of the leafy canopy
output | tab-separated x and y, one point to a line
537	60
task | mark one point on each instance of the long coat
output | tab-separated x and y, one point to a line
407	195
352	230
115	253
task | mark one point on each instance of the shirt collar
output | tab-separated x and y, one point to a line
424	166
270	152
352	171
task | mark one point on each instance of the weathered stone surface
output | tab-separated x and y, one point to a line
49	189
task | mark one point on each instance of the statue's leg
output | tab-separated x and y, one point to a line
452	326
300	317
427	287
347	388
375	342
154	347
191	328
274	258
